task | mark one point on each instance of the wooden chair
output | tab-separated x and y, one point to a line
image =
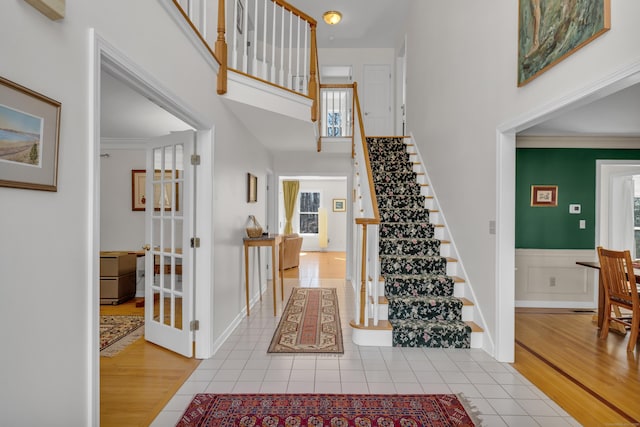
620	290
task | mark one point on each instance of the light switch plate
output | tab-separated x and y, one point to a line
583	224
575	209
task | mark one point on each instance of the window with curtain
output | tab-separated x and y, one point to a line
309	205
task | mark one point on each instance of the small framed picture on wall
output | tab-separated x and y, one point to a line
544	195
339	205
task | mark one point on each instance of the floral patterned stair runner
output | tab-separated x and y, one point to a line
422	309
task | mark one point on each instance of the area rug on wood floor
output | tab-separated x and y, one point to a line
330	410
310	323
117	332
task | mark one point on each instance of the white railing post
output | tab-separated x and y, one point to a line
234	53
273	78
245	38
358	272
254	62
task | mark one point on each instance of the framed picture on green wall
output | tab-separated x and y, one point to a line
544	195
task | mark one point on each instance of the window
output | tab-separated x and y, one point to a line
309	205
334	124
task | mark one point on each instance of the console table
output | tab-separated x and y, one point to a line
274	242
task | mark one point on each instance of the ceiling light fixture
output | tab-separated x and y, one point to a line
332	17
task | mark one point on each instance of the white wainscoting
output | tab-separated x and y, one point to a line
551	278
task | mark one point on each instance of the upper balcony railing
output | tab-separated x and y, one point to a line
269	40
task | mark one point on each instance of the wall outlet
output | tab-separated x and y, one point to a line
575	209
552	281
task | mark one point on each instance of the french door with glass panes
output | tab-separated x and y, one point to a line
168	222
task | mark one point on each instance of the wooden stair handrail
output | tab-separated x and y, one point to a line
296	11
365	150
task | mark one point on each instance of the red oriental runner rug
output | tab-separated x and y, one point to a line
310	323
325	410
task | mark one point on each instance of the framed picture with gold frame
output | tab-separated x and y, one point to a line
550	30
544	195
138	190
339	205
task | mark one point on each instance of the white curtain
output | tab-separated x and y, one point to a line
621	235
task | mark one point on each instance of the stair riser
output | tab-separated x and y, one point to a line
404	215
396	177
441	286
398	157
405	167
401	202
425	311
430	339
402	231
396	189
383	312
415	247
414	266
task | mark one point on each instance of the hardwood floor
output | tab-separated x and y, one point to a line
596	381
138	382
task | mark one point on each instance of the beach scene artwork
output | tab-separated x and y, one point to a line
20	137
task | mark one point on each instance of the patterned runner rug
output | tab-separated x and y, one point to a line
310	323
343	410
117	332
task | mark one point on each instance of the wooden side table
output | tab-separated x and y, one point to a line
274	241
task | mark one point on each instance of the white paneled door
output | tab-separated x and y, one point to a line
168	221
377	100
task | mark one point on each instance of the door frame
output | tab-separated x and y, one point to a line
104	56
504	338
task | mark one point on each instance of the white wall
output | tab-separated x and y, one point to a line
121	229
46	250
462	86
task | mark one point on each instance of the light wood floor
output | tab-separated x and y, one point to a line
597	382
138	382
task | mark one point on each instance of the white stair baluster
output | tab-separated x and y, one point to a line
245	38
298	88
273	78
263	70
305	59
234	49
289	80
254	63
282	50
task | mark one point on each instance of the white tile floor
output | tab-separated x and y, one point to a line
501	396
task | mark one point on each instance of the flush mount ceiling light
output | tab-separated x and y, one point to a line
332	17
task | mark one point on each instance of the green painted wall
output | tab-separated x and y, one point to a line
574	172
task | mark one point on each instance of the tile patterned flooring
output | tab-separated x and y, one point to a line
500	395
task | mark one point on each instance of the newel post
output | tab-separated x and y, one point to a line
363	285
313	81
221	49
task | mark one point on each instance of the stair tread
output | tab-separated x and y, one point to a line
474	327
